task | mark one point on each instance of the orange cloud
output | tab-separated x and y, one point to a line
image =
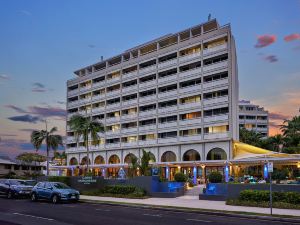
265	40
292	37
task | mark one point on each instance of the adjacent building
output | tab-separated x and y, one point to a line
253	117
175	96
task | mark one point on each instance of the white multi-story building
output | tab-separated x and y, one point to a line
253	117
175	96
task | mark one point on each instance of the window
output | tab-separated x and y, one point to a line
170	134
189	116
131	111
215	112
190	51
216	94
215	77
167	88
7	167
129	97
147	107
113	114
168	119
190	66
191	99
113	101
216	129
147	64
148	93
129	125
190	83
167	57
215	59
148	78
40	185
167	103
48	185
146	137
130	69
129	83
113	141
167	73
190	132
147	122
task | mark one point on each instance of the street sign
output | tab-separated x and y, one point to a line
270	167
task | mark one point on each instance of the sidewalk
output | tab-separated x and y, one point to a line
193	203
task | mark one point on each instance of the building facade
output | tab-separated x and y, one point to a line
176	96
253	117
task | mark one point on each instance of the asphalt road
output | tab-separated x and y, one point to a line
23	211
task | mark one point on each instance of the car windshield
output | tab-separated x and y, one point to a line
61	186
17	182
30	182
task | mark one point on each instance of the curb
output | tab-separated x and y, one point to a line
249	215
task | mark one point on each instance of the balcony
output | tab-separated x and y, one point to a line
262	121
212	84
147	113
111	133
216	118
167	94
188	89
190	73
113	93
99	84
167	125
147	127
113	80
112	119
84	100
190	122
148	84
167	109
129	144
129	116
129	130
112	145
214	49
112	106
147	69
167	140
189	57
129	89
218	100
71	139
82	89
168	78
129	75
147	98
69	115
73	92
73	103
97	147
216	66
167	63
147	142
216	135
85	112
190	138
130	102
98	109
98	97
73	149
190	105
262	129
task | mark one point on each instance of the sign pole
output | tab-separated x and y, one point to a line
270	170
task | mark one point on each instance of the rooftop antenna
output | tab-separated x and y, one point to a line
209	17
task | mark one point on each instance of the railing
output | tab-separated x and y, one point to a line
215	83
98	109
167	124
129	102
73	103
167	94
190	121
217	100
73	92
115	79
190	105
112	145
147	98
115	105
147	69
167	140
98	97
112	93
216	135
197	137
129	89
147	84
167	63
215	66
85	88
129	75
112	119
129	116
190	72
129	130
193	88
169	78
147	127
167	109
189	57
215	118
84	100
129	144
148	142
112	132
98	84
214	49
147	113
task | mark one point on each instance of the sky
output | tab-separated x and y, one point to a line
43	42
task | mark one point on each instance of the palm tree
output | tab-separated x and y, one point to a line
291	131
52	141
86	127
277	141
250	137
60	156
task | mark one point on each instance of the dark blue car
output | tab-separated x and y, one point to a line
54	191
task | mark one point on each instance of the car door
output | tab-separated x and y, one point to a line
48	190
40	189
6	186
2	186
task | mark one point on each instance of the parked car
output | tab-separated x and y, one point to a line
54	191
16	188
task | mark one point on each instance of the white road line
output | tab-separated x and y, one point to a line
105	210
204	221
155	215
37	217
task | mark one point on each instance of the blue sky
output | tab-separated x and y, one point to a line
43	42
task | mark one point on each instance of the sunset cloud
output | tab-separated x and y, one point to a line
265	40
38	87
271	58
277	116
25	118
17	109
292	37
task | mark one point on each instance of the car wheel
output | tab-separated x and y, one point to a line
34	197
55	199
10	195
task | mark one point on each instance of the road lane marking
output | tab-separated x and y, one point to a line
154	215
32	216
105	210
204	221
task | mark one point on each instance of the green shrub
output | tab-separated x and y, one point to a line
280	205
180	177
215	177
62	179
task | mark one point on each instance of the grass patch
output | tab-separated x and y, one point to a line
263	204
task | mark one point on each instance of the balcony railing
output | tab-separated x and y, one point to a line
84	100
113	93
129	144
129	130
98	97
147	69
147	98
167	63
97	147
190	89
112	119
189	73
147	113
115	105
216	66
112	145
217	100
99	84
167	140
73	103
148	142
189	57
147	127
85	88
216	118
113	133
169	78
98	109
167	125
147	84
197	137
113	80
129	116
215	83
190	121
214	49
73	92
216	135
167	109
190	105
129	89
129	102
167	94
129	75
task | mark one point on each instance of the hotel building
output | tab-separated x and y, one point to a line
253	117
175	96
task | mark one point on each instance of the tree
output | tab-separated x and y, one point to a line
52	141
28	158
147	156
85	127
291	131
250	137
60	156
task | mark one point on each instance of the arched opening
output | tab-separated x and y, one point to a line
99	160
216	154
168	157
114	159
129	157
191	155
84	160
73	161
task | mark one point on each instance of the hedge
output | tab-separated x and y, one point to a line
215	177
264	196
180	177
62	179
